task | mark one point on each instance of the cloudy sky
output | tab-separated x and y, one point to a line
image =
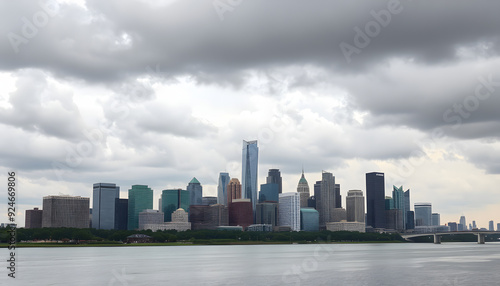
156	92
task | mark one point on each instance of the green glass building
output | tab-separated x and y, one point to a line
171	200
140	198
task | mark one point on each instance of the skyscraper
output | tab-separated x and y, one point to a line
423	214
233	190
355	206
33	218
172	200
326	202
303	190
222	188
121	214
269	193
399	198
65	211
103	209
491	226
407	209
436	219
375	200
274	177
250	158
338	197
289	210
140	197
195	192
463	224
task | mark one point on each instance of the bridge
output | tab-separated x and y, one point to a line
437	235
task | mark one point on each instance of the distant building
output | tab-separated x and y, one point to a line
148	217
139	238
33	218
303	190
453	226
474	224
338	197
423	214
463	224
408	224
389	203
249	172
233	190
289	210
140	198
180	222
399	197
355	206
410	220
121	214
375	200
325	203
172	200
103	205
195	192
267	213
491	226
65	211
269	193
345	226
339	214
260	227
241	213
394	219
311	202
274	177
498	226
222	188
436	219
207	201
309	219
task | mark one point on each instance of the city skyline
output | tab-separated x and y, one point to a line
138	93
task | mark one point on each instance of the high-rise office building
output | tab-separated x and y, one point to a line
222	188
423	214
355	206
269	193
317	194
241	213
121	214
172	200
399	198
375	200
208	216
309	219
267	213
65	211
311	202
303	190
103	209
33	218
394	219
195	192
289	210
389	203
491	226
326	202
463	224
498	226
436	219
148	217
410	220
338	197
274	177
250	160
207	201
233	191
140	198
453	226
407	207
474	224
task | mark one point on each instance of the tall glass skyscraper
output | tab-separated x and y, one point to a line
140	198
398	196
222	188
407	209
103	205
326	201
274	177
250	159
375	200
195	192
423	214
172	200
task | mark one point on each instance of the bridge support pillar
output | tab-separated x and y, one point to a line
437	239
480	238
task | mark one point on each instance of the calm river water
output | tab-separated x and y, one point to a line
323	264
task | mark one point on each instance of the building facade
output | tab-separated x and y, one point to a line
274	177
250	160
103	205
172	200
241	213
140	197
375	200
66	211
195	192
267	213
269	193
303	190
289	210
309	219
222	188
33	218
325	203
233	191
436	219
121	214
355	206
423	214
148	217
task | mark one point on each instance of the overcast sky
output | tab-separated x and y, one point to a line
157	92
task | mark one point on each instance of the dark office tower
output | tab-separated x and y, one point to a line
317	194
172	200
269	193
103	209
222	188
375	200
338	197
311	202
407	207
326	202
267	213
250	158
410	220
199	216
33	218
65	211
398	197
233	191
140	198
303	190
195	192
394	219
207	201
274	177
121	214
453	226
